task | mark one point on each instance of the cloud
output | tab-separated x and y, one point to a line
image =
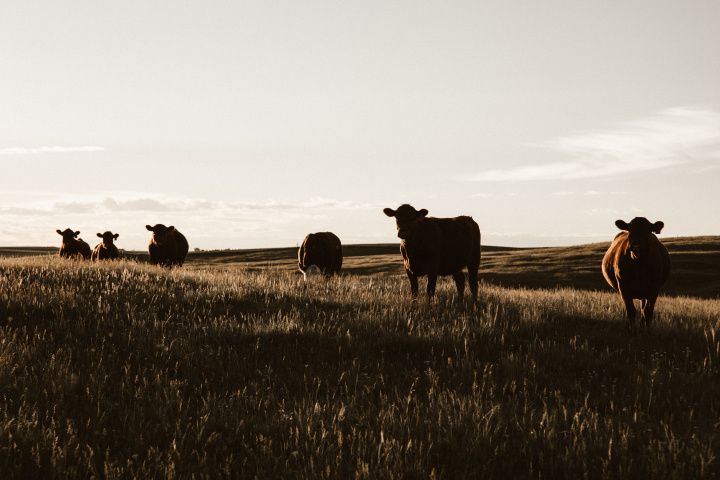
97	206
39	150
672	137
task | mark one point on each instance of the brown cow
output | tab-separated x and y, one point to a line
636	265
320	252
106	250
438	246
71	246
168	246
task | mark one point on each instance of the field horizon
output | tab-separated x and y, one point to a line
695	263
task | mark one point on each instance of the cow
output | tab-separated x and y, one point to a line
437	246
320	253
106	250
168	247
637	265
72	246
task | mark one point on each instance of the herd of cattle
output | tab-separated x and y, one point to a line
636	264
168	247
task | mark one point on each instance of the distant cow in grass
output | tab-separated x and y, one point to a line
320	253
106	250
168	246
72	246
636	265
438	246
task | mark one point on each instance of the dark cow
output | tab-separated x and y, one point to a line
72	246
168	246
320	252
438	246
106	250
636	265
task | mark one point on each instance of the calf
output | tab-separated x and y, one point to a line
72	246
637	265
168	246
320	252
106	250
438	246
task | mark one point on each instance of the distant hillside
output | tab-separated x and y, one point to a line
695	263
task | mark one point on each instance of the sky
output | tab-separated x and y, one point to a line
248	124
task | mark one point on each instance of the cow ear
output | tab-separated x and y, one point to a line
388	211
77	233
422	213
171	229
99	235
657	227
149	228
59	232
621	224
116	236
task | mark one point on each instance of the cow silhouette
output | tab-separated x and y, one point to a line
637	265
437	246
73	246
320	253
168	247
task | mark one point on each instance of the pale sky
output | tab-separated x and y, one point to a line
251	124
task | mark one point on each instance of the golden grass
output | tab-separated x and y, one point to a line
124	370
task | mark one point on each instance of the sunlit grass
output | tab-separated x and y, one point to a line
123	370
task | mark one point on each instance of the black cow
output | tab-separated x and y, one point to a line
438	246
320	252
106	250
73	246
168	246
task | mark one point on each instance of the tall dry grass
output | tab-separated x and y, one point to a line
123	370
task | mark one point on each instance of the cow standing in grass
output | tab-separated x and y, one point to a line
168	246
637	265
320	253
72	246
438	246
106	250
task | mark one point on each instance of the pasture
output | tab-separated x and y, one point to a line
232	367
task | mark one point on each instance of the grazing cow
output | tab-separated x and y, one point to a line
72	246
438	246
168	246
106	250
320	253
636	265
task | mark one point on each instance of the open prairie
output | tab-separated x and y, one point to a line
232	367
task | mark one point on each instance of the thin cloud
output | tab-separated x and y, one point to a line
672	137
40	150
172	205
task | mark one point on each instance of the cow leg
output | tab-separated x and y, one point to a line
460	283
432	281
648	307
629	310
473	279
413	283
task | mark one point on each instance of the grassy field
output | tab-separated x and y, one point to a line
234	368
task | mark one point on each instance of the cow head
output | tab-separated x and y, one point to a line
640	232
160	233
108	237
406	219
68	235
311	271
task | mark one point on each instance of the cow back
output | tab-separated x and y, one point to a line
323	249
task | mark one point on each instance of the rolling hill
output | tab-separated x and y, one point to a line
695	263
